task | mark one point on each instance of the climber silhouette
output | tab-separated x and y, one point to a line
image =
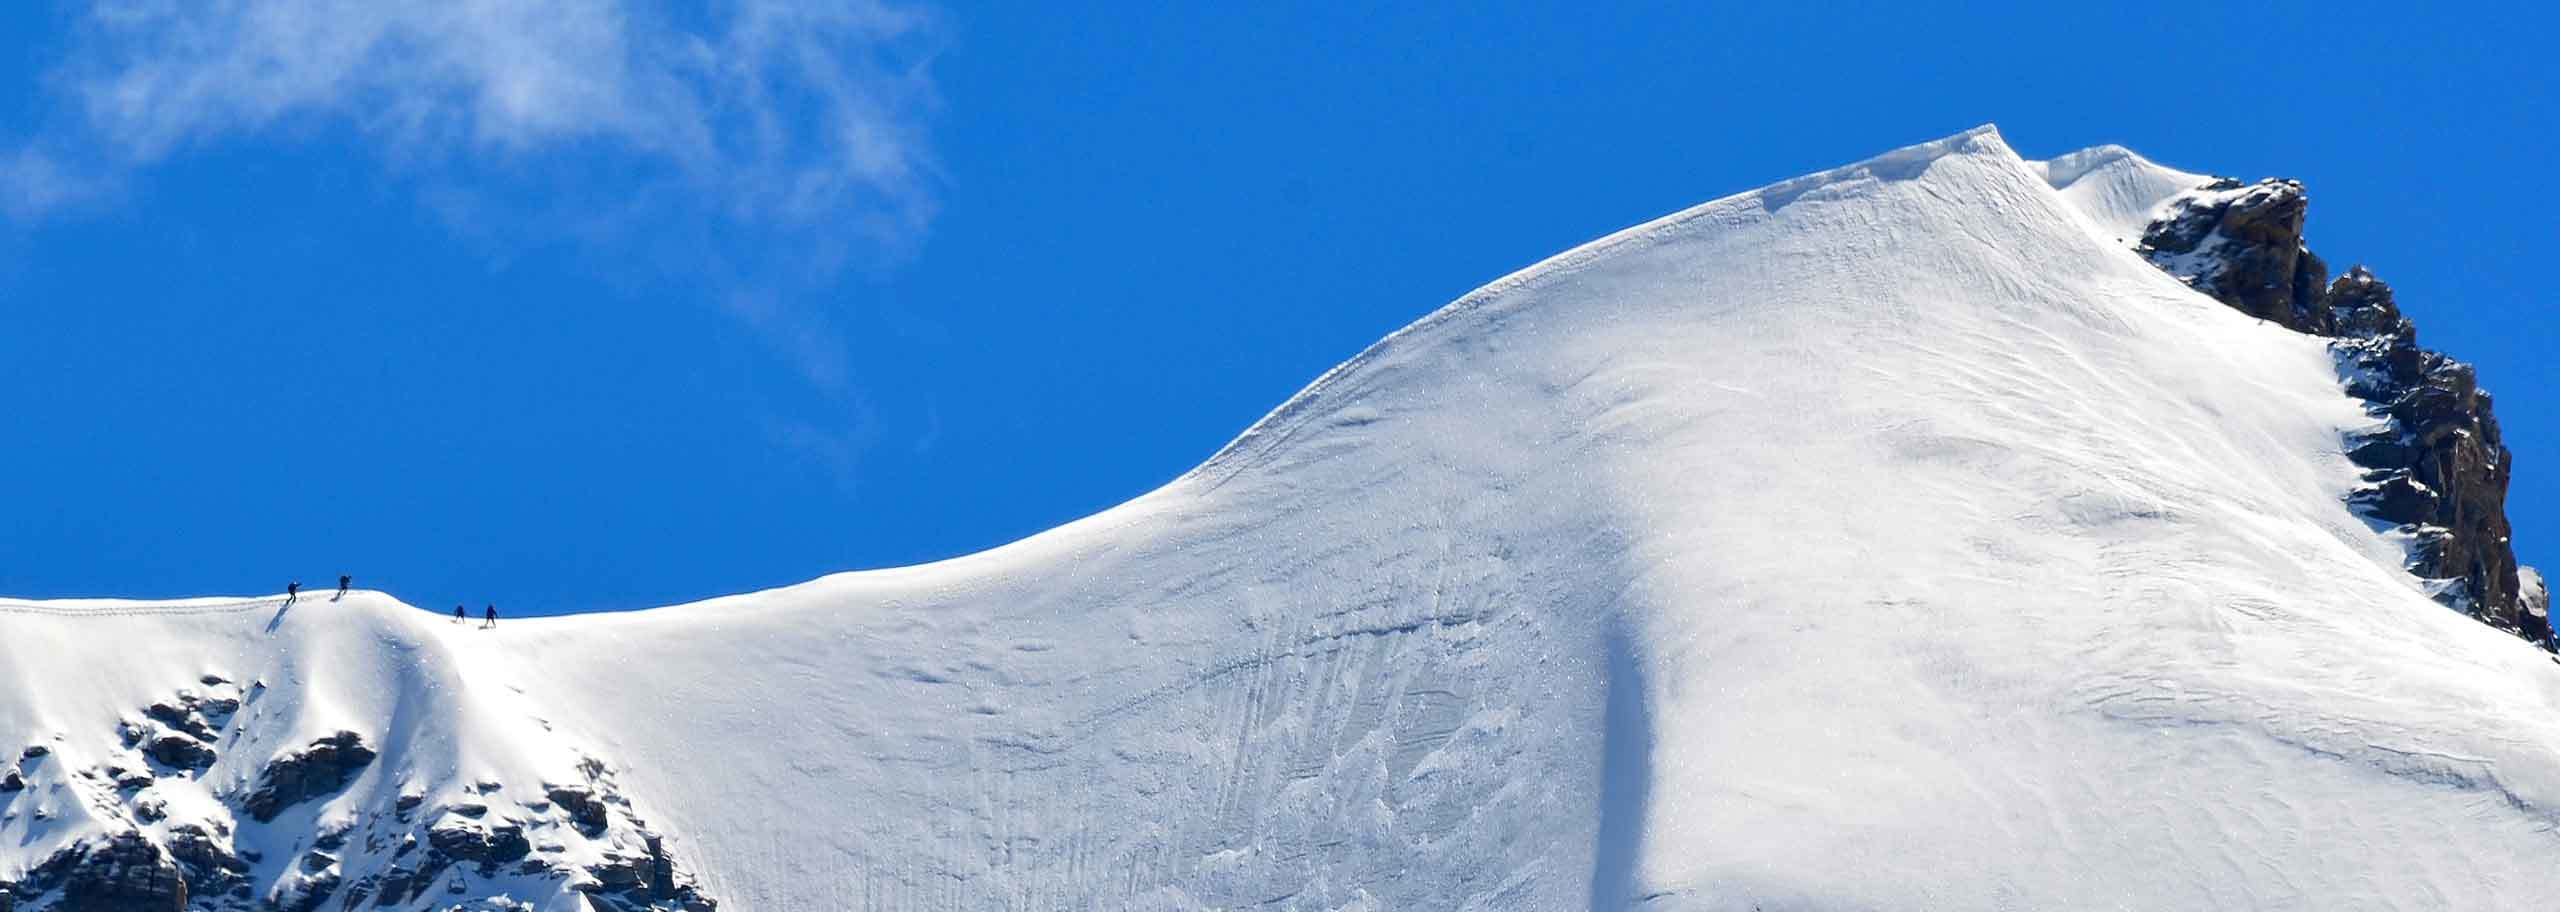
343	580
491	618
457	614
292	591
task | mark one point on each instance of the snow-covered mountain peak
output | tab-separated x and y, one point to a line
1899	513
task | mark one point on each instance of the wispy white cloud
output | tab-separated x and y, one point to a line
745	148
765	111
33	183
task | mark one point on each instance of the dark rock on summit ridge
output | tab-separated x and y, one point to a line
2435	463
2243	245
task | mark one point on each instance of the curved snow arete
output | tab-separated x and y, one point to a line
1890	537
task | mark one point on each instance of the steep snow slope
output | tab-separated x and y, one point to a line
1890	537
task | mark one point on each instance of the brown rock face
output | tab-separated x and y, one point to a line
2443	440
206	861
2243	246
319	769
2436	467
125	874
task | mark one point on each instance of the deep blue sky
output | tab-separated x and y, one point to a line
482	331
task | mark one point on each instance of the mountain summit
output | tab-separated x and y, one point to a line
1927	532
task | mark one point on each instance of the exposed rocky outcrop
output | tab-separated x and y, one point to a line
635	882
584	807
120	873
463	839
179	751
317	770
2242	244
128	778
205	860
2438	463
168	824
179	733
391	887
308	889
2435	465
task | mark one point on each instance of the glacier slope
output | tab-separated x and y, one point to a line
1887	537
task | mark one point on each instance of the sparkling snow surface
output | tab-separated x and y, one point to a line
1891	538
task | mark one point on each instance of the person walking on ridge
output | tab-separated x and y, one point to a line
343	581
292	590
490	618
457	614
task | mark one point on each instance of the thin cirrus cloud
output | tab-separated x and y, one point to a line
748	147
756	113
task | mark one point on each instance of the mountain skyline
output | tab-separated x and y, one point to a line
443	357
1903	511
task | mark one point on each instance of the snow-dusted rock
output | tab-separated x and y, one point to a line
318	769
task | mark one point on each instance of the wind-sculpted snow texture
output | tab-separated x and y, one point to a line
1892	537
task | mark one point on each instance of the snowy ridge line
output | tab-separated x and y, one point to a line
1282	423
28	606
2065	169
